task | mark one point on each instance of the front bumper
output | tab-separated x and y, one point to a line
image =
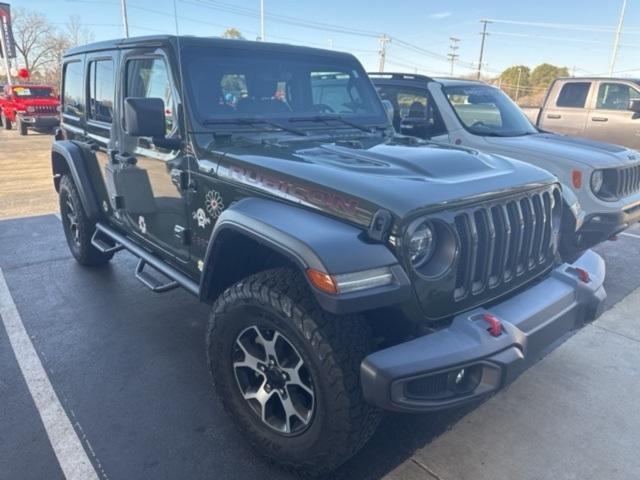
41	121
598	227
422	374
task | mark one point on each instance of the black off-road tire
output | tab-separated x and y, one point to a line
6	123
332	348
23	128
78	229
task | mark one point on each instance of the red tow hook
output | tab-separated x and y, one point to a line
495	326
583	275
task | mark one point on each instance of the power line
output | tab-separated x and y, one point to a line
564	26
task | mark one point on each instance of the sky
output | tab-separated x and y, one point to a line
577	34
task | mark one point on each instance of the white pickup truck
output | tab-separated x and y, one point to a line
601	181
605	109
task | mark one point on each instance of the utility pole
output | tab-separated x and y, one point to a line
125	19
452	55
484	36
262	20
616	40
518	84
382	53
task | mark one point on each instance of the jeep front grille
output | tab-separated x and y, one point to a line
504	242
627	181
45	109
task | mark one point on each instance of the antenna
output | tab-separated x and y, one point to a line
125	19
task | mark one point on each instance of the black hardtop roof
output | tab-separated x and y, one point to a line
213	42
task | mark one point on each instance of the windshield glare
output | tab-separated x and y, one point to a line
252	84
488	111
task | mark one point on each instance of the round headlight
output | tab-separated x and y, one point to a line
596	181
31	109
421	242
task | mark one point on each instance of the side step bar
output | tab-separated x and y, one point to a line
104	234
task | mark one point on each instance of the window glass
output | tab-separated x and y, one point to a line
573	94
101	90
72	98
245	83
335	90
487	111
414	113
149	77
33	92
616	96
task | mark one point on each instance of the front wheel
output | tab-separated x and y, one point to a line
78	228
288	373
22	127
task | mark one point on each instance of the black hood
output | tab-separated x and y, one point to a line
354	179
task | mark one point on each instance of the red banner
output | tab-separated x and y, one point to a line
6	33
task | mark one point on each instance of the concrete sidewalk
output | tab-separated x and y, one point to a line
574	415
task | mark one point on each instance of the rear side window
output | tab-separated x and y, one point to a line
149	77
72	98
101	90
573	94
616	96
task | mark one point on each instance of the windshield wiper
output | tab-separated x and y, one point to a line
253	122
327	118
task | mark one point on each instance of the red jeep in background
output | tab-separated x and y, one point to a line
29	106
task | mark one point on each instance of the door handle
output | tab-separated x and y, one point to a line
554	116
599	119
125	158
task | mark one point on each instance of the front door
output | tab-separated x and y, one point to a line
151	179
611	120
568	112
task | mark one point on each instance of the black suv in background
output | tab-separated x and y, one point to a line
349	270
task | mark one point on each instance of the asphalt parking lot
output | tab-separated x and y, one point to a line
128	369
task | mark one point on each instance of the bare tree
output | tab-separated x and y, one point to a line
75	33
31	31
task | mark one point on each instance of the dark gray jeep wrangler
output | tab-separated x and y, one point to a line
350	270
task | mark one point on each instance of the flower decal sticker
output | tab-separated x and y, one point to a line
142	224
214	204
201	217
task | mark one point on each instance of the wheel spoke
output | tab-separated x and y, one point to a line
262	397
294	378
291	411
249	361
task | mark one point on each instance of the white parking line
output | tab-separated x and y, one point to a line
66	445
627	234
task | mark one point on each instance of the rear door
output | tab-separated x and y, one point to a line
611	120
151	179
568	107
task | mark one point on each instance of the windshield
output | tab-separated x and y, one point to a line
283	87
487	111
33	92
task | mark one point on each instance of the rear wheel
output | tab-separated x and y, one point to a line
6	123
288	373
78	228
22	127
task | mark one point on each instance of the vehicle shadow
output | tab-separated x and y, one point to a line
396	440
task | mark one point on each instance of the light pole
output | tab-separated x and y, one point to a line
262	20
616	39
125	19
518	84
382	53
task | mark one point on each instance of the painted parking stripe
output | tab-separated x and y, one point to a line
72	457
627	234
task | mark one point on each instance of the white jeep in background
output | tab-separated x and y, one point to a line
604	178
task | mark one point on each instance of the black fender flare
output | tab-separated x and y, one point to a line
310	240
74	157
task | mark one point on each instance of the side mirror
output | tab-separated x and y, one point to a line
635	106
144	117
388	109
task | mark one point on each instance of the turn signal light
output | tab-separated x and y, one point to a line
576	178
322	281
